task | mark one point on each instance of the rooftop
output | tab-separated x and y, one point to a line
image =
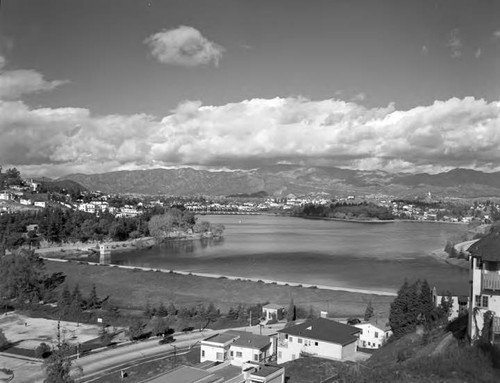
487	248
272	306
186	374
249	340
221	338
324	330
266	370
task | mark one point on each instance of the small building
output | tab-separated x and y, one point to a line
320	337
374	334
25	201
41	204
459	303
237	347
272	311
6	196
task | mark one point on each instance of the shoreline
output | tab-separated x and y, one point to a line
233	278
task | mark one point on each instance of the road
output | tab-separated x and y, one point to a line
95	364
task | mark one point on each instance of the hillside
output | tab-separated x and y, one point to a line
285	179
434	357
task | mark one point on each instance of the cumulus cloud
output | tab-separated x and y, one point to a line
184	46
15	83
455	43
446	134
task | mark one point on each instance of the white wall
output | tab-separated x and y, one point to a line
310	346
209	352
367	338
247	354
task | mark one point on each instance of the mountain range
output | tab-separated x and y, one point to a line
280	180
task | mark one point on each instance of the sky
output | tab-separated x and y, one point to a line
92	86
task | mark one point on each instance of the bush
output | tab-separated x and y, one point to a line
43	351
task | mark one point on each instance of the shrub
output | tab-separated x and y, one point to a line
43	351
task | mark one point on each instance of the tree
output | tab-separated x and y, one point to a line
3	340
368	311
413	305
58	365
291	313
76	302
64	301
93	300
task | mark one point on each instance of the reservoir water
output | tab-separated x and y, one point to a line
333	253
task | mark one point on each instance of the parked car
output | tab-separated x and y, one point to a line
166	340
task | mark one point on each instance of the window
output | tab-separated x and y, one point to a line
316	343
290	339
203	353
232	354
220	356
485	301
299	340
481	301
376	334
361	331
256	357
239	354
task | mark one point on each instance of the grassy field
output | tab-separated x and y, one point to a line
131	289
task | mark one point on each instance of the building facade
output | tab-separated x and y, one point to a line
319	337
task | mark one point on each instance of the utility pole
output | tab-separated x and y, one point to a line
250	319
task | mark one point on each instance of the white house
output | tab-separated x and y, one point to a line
5	195
271	311
459	303
237	347
25	201
320	337
41	203
373	334
484	273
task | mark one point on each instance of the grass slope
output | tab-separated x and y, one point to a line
133	288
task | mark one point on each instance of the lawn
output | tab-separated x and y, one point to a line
131	289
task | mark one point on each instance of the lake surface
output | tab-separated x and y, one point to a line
333	253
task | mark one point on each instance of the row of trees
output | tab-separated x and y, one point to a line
414	305
180	222
10	177
343	210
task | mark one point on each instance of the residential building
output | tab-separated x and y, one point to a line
25	201
459	303
484	271
272	311
40	204
237	347
5	195
373	333
320	337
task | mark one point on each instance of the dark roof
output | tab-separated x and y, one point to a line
487	248
222	338
249	340
186	374
324	329
272	306
266	370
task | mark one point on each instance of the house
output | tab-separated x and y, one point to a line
236	347
320	337
374	334
459	303
484	275
272	311
41	204
6	196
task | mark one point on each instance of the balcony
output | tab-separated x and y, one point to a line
491	281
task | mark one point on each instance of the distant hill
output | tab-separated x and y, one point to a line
64	186
285	179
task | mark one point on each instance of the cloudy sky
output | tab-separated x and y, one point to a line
398	85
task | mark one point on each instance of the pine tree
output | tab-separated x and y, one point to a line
64	301
368	311
93	300
76	302
58	365
291	313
